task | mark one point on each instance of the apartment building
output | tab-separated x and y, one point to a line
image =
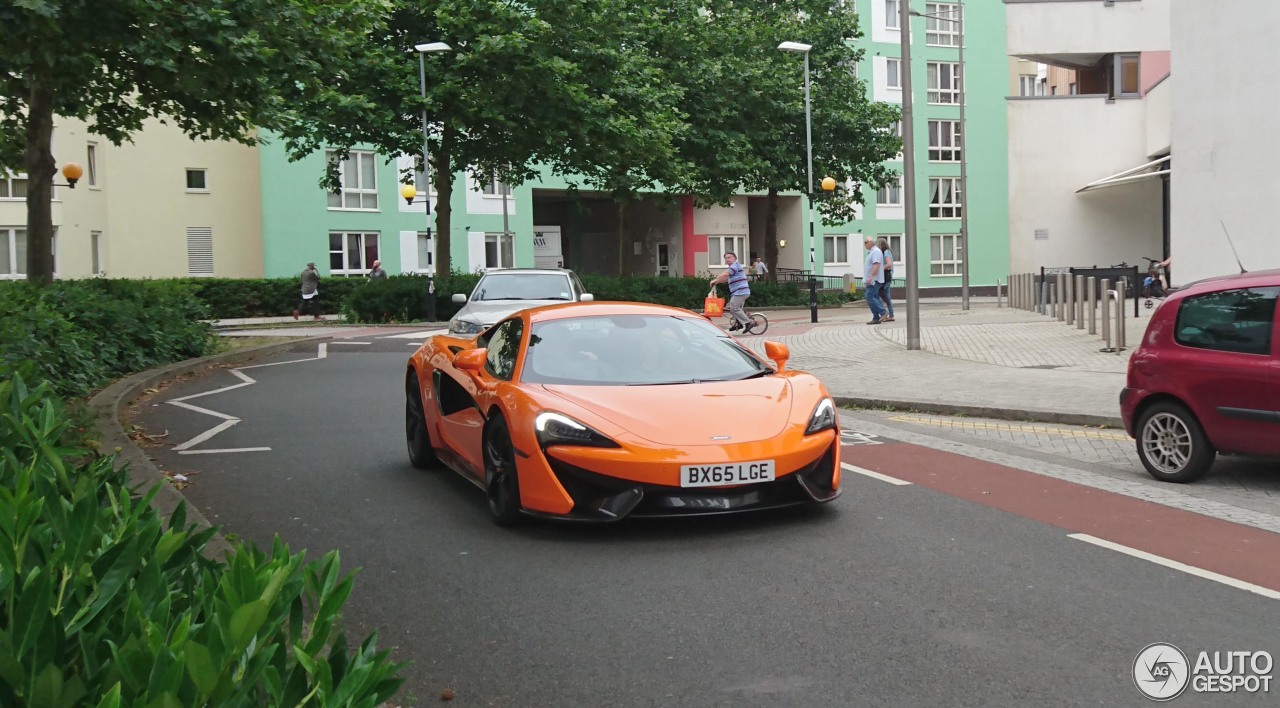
160	206
1092	176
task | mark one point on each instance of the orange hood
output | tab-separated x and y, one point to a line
690	414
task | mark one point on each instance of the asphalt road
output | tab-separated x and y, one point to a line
932	593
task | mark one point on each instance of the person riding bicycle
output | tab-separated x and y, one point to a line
739	291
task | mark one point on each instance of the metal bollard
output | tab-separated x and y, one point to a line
1071	301
1043	305
1107	292
1059	298
1120	293
1079	302
999	298
1091	283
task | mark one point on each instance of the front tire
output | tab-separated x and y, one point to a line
415	421
1172	445
760	323
501	483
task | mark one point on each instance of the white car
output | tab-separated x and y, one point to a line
503	292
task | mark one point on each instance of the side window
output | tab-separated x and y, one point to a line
1230	321
504	345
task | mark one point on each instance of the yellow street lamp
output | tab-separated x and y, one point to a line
72	172
828	184
408	191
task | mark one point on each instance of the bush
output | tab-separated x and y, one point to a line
403	298
101	605
80	334
232	298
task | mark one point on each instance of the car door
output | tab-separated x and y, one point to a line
463	429
1226	358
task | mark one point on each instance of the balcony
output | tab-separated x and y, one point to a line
1077	33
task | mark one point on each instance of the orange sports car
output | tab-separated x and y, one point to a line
600	411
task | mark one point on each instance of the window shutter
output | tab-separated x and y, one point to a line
199	250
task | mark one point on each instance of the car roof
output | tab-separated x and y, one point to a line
570	310
550	271
1261	278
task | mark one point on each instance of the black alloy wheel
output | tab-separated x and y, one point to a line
501	483
415	421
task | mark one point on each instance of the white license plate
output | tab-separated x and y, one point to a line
725	474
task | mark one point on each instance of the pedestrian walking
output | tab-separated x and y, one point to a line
377	273
761	268
310	302
873	278
885	293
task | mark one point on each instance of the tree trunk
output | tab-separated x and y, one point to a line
442	161
771	235
40	172
624	258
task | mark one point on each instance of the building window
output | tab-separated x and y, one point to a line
893	73
1127	81
892	15
944	141
352	253
493	187
899	253
942	30
95	246
1026	85
946	254
196	180
835	250
13	186
358	175
944	83
719	245
944	198
426	259
13	252
890	194
499	250
199	251
1072	89
91	171
1238	321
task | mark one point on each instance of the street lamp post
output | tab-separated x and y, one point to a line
808	139
422	50
961	79
909	182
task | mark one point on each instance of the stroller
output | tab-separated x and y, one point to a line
1153	286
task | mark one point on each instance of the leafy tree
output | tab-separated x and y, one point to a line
748	111
215	69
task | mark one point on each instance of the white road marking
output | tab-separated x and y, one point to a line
229	449
875	475
322	352
337	342
1189	569
415	335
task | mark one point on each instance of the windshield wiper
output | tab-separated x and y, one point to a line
665	383
756	375
495	299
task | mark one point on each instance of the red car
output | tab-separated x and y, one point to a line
1206	378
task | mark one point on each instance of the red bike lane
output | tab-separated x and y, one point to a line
1236	551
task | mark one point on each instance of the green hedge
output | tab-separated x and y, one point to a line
103	604
81	334
403	298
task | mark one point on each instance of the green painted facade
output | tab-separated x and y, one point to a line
298	222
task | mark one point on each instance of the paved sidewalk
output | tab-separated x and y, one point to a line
987	361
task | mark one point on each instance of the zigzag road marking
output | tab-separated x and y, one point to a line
229	421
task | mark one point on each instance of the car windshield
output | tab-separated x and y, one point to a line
522	286
635	350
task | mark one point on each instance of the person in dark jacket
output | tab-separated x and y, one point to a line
310	302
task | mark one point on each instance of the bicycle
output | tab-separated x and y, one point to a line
759	323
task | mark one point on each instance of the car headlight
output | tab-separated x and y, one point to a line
560	429
464	327
823	418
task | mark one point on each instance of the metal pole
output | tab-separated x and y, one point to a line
1079	302
1106	314
506	231
1059	298
964	182
1092	284
909	181
808	142
999	295
426	172
1070	305
1120	293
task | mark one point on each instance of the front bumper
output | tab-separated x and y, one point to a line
601	497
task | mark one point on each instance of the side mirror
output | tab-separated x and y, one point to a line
778	352
586	297
471	360
459	298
